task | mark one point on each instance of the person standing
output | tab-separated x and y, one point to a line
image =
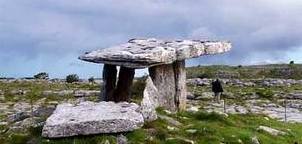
217	90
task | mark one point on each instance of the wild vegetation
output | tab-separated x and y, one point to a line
283	71
184	127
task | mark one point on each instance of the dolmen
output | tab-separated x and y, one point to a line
165	86
165	60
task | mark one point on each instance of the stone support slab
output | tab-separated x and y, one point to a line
180	84
123	88
109	82
163	78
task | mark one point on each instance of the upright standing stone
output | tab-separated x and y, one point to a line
123	88
109	82
163	78
180	84
150	101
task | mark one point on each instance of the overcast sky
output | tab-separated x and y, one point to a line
49	35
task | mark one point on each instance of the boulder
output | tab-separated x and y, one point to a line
150	101
92	118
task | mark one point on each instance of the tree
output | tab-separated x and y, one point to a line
291	62
41	75
72	78
91	79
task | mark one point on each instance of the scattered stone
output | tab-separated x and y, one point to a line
19	116
271	131
22	126
171	128
190	96
43	111
205	95
167	111
86	93
121	139
2	98
241	110
149	102
170	120
192	131
92	118
18	92
65	92
22	107
255	140
193	109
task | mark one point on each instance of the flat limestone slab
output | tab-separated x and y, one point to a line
92	118
142	53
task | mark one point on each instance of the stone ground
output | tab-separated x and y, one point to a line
24	105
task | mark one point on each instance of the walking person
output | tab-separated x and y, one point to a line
217	90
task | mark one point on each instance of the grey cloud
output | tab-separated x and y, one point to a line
32	27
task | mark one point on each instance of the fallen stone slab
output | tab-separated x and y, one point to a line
92	118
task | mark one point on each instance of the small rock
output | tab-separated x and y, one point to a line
271	131
193	109
86	93
22	126
241	110
2	98
43	111
205	95
190	96
170	120
19	116
191	131
255	140
168	112
170	128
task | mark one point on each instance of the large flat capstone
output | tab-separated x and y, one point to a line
142	53
92	118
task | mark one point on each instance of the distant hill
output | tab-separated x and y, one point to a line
284	71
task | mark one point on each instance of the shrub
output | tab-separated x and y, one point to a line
138	87
72	78
265	93
41	75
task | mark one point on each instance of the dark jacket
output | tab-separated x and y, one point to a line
216	86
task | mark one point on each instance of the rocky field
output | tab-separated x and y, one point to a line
251	111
